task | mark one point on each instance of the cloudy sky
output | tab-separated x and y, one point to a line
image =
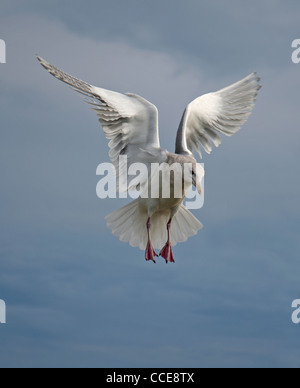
76	296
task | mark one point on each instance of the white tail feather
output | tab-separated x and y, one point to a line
129	224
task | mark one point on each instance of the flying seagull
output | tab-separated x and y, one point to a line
131	124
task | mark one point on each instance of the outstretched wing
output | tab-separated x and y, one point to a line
129	121
222	112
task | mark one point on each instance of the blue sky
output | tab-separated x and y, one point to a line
76	296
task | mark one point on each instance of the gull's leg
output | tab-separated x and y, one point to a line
150	253
167	252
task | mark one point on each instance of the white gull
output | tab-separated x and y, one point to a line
131	124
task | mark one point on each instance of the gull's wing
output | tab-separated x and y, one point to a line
128	120
222	112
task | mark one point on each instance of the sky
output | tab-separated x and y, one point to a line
75	295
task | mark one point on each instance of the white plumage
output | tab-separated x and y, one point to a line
129	223
222	112
131	124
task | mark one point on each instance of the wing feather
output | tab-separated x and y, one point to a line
222	112
129	121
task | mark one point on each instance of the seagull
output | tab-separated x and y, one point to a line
131	124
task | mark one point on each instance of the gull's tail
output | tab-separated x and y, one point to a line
129	224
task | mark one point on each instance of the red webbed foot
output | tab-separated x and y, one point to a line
150	253
167	253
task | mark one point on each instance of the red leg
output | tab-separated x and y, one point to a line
150	253
167	252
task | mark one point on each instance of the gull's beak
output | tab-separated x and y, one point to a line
194	180
197	185
198	177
